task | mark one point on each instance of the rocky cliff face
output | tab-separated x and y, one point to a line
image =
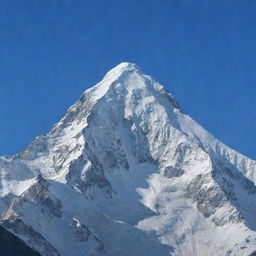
11	245
127	172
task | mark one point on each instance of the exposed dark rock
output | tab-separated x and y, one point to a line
39	194
81	231
86	179
171	171
10	221
11	245
209	199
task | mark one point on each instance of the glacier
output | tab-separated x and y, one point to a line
127	172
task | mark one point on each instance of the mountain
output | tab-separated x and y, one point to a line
126	172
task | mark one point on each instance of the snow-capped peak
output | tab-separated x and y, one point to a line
123	161
122	67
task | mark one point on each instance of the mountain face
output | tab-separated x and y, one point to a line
10	245
127	173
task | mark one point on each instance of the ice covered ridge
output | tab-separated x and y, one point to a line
127	173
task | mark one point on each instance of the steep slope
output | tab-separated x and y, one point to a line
11	245
127	172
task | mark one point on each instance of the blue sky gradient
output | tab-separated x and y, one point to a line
202	51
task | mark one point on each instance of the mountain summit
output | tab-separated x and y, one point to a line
127	173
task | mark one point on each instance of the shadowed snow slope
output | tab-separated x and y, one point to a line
127	172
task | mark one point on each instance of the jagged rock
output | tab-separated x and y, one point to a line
10	221
39	194
171	171
11	245
81	231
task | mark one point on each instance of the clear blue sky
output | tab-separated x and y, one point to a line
203	51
